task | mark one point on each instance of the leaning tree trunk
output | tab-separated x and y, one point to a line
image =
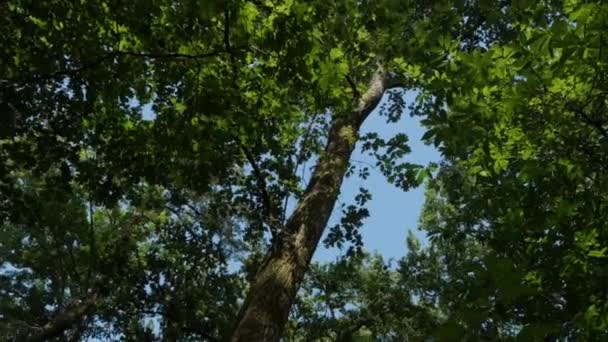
266	308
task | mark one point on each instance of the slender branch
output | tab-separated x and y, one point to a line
266	199
70	250
594	123
305	139
365	163
109	56
580	112
353	86
93	248
227	28
57	74
299	160
153	55
194	209
592	156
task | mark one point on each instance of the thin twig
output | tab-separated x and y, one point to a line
299	160
112	55
266	199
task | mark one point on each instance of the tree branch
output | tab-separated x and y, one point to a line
109	56
353	86
262	186
63	321
580	113
593	123
227	28
299	160
153	55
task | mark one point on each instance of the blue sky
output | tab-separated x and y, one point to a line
392	211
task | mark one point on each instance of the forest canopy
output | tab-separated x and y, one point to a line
169	167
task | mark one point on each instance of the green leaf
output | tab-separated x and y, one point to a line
336	54
249	14
598	253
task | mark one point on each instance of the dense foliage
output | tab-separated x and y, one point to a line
155	162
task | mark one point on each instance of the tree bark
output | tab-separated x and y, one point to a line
63	321
266	308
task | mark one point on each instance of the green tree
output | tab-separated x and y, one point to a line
359	299
523	132
147	146
243	93
78	270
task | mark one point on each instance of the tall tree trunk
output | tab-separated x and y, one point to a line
266	308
